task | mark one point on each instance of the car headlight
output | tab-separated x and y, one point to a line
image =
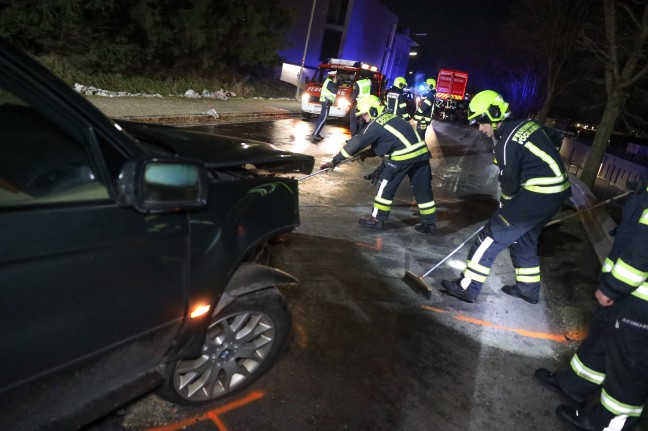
343	103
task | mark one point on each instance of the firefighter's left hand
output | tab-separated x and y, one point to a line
328	165
364	155
603	299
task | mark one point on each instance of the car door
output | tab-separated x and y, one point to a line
89	291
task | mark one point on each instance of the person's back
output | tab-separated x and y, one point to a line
395	102
387	132
391	99
528	158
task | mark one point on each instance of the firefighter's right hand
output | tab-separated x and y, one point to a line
328	165
603	299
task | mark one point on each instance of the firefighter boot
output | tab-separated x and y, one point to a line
371	222
426	228
574	418
453	288
549	381
514	291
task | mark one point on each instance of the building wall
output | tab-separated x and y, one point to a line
367	32
400	58
370	34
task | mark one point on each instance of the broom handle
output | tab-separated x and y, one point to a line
452	252
552	222
321	171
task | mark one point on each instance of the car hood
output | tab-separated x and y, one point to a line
218	151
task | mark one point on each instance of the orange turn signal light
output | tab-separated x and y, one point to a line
199	311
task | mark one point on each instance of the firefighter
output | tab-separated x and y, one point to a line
533	185
614	355
391	136
327	99
361	88
395	101
423	114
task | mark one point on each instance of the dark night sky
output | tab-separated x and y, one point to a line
461	34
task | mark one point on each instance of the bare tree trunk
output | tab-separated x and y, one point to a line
601	138
546	104
623	68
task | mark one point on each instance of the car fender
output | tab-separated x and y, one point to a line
251	277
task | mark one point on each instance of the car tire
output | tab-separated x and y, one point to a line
242	343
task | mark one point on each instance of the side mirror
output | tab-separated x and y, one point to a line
162	185
307	79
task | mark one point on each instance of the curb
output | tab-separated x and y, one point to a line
204	118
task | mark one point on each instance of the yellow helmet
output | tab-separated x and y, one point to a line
431	83
400	82
369	105
487	106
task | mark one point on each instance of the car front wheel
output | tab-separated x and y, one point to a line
243	342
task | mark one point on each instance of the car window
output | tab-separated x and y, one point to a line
39	163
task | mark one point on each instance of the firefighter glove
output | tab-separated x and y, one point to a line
328	165
367	153
375	175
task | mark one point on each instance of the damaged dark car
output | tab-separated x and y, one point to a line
130	256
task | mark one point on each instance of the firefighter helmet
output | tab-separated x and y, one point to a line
487	106
400	82
370	105
431	83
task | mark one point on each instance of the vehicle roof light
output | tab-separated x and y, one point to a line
199	311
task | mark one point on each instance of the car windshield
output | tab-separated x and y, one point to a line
345	78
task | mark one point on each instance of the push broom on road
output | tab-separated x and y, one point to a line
416	283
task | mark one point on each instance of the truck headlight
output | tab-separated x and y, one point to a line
343	103
305	97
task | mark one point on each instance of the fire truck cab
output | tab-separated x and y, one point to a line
348	72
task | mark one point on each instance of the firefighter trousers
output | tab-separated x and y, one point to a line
420	177
516	226
613	357
326	107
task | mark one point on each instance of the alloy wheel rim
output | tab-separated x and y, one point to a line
235	347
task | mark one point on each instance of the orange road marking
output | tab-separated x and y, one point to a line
301	337
212	415
378	245
523	332
429	307
559	338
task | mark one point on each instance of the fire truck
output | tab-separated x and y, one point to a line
451	103
348	72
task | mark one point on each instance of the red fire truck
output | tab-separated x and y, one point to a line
348	72
450	101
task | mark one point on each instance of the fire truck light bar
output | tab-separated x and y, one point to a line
341	62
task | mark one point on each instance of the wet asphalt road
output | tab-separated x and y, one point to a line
369	353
